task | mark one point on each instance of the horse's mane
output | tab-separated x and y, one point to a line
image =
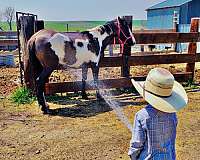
99	29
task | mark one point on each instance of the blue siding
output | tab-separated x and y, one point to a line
183	47
161	18
184	28
189	10
184	19
169	3
193	9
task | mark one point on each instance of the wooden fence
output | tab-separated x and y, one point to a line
8	40
127	60
148	37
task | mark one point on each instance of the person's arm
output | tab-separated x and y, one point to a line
137	140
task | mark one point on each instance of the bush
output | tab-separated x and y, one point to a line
22	95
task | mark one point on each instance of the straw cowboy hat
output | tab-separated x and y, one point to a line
162	91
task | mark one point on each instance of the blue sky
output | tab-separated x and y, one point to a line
81	9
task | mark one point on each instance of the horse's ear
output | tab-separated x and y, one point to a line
119	18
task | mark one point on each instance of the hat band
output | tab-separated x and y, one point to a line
157	90
145	90
157	94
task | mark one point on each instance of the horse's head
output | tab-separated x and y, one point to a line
119	28
101	36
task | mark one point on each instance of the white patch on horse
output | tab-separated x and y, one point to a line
96	34
83	55
58	45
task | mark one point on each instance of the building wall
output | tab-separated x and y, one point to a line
193	10
183	18
161	18
188	11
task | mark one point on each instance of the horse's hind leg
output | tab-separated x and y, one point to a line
84	78
40	83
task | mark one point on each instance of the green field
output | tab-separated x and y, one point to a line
72	25
5	26
75	25
84	25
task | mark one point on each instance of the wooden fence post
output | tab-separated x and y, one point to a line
192	48
125	68
110	49
175	28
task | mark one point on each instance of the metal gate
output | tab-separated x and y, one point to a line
25	29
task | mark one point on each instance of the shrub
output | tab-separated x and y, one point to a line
22	95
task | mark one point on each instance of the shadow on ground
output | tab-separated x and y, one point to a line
67	106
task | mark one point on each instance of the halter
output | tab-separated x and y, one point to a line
122	43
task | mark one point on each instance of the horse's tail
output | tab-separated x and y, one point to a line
32	66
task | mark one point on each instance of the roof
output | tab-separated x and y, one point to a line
169	3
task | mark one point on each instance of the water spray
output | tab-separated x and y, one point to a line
107	96
116	108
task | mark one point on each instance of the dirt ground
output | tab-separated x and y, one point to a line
84	129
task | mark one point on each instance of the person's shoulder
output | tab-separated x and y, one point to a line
143	113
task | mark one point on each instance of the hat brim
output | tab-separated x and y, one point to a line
171	104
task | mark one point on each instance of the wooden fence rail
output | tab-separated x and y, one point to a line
150	59
121	82
145	37
167	37
8	38
8	42
141	38
10	33
133	60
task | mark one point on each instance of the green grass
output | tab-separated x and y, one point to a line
84	25
22	95
139	24
72	25
5	26
61	26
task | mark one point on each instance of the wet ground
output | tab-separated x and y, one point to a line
83	129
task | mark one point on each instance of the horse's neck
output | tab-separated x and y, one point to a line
100	37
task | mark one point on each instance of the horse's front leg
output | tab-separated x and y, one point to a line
84	78
40	86
95	72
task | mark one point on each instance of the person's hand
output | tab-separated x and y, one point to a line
132	157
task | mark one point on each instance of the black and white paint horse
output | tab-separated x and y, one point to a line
49	50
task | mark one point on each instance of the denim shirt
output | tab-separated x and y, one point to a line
153	136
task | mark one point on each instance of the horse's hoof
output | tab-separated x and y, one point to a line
84	96
99	97
45	110
46	104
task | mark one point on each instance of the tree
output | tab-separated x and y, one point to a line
1	16
9	15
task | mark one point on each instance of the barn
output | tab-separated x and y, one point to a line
161	16
164	14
